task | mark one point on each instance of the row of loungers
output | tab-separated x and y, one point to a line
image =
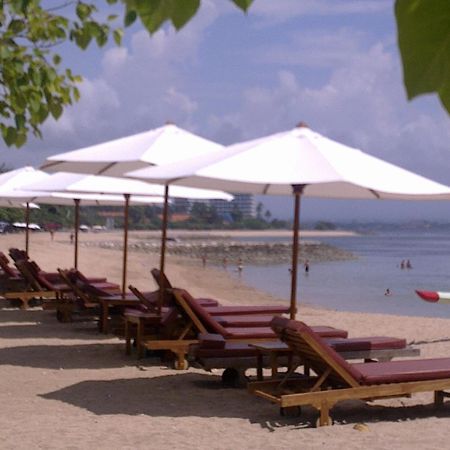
211	335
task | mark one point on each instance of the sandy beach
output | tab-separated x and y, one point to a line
67	386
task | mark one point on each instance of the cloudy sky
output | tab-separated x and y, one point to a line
230	77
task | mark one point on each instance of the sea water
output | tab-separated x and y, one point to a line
361	284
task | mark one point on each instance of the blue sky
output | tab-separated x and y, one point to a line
228	76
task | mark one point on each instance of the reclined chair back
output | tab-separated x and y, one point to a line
161	280
18	255
316	353
165	286
183	301
77	291
4	265
29	275
149	303
190	308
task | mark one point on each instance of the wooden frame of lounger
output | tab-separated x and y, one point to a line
66	307
179	346
33	291
308	390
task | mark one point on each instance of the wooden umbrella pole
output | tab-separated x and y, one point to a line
125	244
27	228
163	247
297	191
77	228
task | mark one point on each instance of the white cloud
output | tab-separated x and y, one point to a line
278	11
317	48
362	103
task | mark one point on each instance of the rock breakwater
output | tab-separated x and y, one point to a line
219	251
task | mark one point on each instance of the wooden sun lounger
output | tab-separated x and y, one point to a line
37	287
214	308
197	320
335	379
215	352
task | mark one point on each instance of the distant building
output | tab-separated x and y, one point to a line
244	202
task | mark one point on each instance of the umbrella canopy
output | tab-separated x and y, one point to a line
162	145
299	162
74	182
273	164
82	183
13	192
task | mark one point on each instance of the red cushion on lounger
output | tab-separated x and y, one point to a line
402	371
253	320
281	325
229	351
249	333
366	343
236	310
211	341
329	332
206	302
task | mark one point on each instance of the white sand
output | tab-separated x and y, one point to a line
66	386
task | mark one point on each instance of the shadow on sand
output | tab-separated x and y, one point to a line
89	356
36	323
193	394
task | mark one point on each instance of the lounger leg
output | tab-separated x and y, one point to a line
259	367
24	304
438	398
324	419
127	338
139	338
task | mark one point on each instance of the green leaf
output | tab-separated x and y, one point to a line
130	18
153	13
424	42
10	135
55	109
21	138
243	4
118	35
83	11
56	59
183	11
16	26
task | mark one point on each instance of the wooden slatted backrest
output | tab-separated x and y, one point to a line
18	255
150	305
186	311
76	290
28	274
312	349
161	280
4	264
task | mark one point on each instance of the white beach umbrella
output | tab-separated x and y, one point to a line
75	182
163	145
13	190
299	162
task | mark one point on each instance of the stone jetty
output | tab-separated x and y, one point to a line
220	250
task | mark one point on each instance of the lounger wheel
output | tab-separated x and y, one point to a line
232	377
291	411
180	364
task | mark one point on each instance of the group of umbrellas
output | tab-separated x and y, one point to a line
177	163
